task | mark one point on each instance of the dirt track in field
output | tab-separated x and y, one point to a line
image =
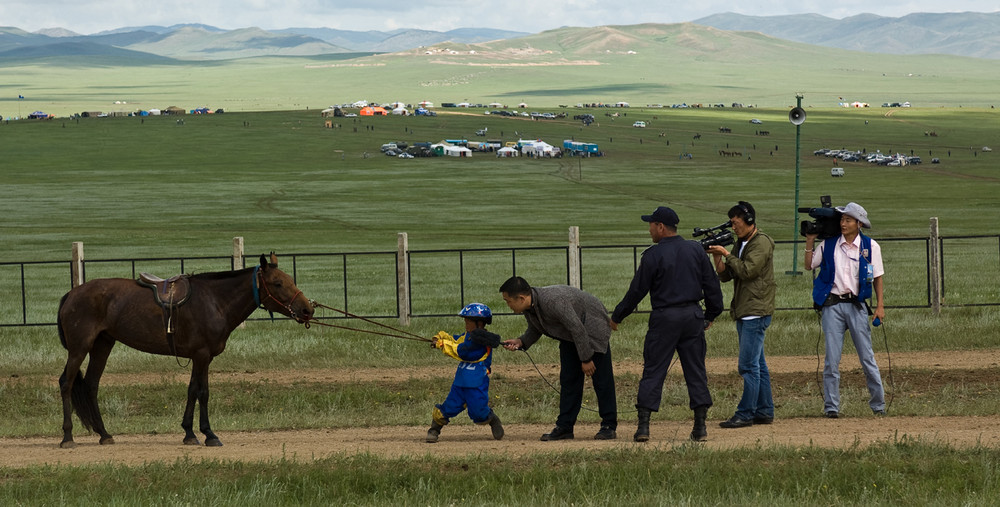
522	439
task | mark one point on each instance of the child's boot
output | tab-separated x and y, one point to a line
495	426
434	432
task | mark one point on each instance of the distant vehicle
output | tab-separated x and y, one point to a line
837	172
350	115
987	148
935	160
755	121
481	132
639	124
405	155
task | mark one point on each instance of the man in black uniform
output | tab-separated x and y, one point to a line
676	274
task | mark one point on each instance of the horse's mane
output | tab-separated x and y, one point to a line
221	275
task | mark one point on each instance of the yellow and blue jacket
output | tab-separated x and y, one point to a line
475	358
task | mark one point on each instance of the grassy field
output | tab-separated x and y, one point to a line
131	187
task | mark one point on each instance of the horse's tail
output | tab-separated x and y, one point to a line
62	336
84	405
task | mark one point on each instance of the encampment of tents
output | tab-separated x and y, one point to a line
373	111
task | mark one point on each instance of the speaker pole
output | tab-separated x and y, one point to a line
795	222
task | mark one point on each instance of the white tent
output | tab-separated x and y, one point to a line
538	149
457	151
426	103
508	151
400	111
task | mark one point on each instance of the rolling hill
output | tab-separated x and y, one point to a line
972	34
682	63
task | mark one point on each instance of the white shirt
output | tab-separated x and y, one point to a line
846	261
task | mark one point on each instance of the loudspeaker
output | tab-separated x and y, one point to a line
797	116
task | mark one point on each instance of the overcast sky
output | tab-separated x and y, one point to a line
91	16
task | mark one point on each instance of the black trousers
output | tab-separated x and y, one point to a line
682	330
571	382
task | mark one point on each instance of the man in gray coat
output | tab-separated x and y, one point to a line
580	323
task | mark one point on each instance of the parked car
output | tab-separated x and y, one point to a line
639	124
755	121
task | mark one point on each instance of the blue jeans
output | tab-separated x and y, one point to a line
756	400
836	320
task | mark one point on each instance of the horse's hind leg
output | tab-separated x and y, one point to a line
98	360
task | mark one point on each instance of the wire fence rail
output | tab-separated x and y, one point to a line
406	284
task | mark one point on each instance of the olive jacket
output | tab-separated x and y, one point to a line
752	274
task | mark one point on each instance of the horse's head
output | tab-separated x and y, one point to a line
278	292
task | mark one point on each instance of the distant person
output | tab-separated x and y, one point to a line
471	388
850	273
579	322
750	266
677	275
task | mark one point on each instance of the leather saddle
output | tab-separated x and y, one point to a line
172	292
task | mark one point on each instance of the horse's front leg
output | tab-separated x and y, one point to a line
198	391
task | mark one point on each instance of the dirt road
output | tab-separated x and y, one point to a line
521	439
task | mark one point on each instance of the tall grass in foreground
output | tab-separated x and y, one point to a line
899	472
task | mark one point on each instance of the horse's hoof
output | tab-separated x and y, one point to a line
213	442
67	444
191	441
107	441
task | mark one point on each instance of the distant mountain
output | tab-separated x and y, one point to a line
972	34
195	43
965	34
162	30
97	54
401	40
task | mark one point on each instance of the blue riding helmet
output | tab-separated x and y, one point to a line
477	311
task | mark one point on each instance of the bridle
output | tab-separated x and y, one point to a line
259	304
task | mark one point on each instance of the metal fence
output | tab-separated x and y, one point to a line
435	283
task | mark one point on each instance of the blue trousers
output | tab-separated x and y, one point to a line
837	319
756	400
475	399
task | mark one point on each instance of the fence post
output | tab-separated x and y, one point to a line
403	278
238	262
76	267
574	257
935	265
237	253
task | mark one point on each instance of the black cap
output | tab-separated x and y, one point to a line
664	215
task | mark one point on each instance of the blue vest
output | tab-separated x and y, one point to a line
823	284
472	372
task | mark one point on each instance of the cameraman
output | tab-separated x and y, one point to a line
751	268
850	270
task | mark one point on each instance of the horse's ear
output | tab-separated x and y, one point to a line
274	258
263	262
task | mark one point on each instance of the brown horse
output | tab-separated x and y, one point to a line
93	316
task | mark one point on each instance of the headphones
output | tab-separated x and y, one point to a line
748	216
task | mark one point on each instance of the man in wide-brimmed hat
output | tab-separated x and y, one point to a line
850	273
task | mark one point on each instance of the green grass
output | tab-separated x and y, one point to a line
129	188
896	472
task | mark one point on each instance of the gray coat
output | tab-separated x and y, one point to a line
568	314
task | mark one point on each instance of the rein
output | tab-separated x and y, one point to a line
396	333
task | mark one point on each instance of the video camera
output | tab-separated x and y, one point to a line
826	223
718	235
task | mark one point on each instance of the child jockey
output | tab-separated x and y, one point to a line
470	389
